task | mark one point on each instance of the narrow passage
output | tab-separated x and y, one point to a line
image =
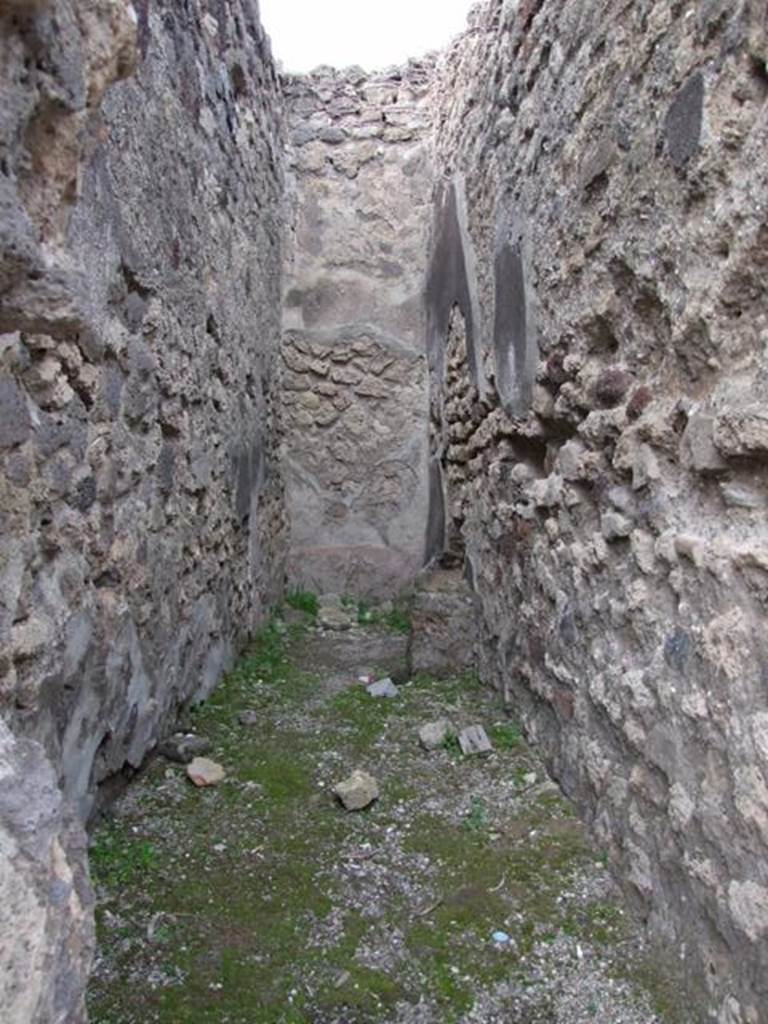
467	892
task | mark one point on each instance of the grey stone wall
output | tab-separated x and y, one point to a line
141	506
354	372
601	443
142	515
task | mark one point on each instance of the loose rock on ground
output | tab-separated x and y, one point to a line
358	791
204	772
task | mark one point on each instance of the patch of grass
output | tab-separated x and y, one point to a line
395	790
506	736
265	657
492	879
598	922
435	946
254	923
264	676
451	743
477	817
363	718
118	857
363	990
303	601
279	769
452	689
399	619
671	996
366	615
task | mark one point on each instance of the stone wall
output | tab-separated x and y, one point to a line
354	373
46	943
600	373
142	517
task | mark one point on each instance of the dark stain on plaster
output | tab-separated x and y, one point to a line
449	283
683	124
249	477
436	515
514	349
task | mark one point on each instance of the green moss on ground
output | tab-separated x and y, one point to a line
232	905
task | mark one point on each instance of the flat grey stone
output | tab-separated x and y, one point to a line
474	740
382	688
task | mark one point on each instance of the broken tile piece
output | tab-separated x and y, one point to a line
474	740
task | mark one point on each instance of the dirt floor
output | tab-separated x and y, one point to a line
263	901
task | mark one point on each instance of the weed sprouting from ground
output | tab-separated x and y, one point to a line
395	616
303	601
118	858
451	743
506	736
399	619
477	817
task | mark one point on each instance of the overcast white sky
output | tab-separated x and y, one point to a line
373	33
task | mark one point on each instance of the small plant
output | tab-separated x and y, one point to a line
163	935
477	818
302	601
451	743
399	619
365	614
506	736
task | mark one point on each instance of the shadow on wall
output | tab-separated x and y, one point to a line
452	284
